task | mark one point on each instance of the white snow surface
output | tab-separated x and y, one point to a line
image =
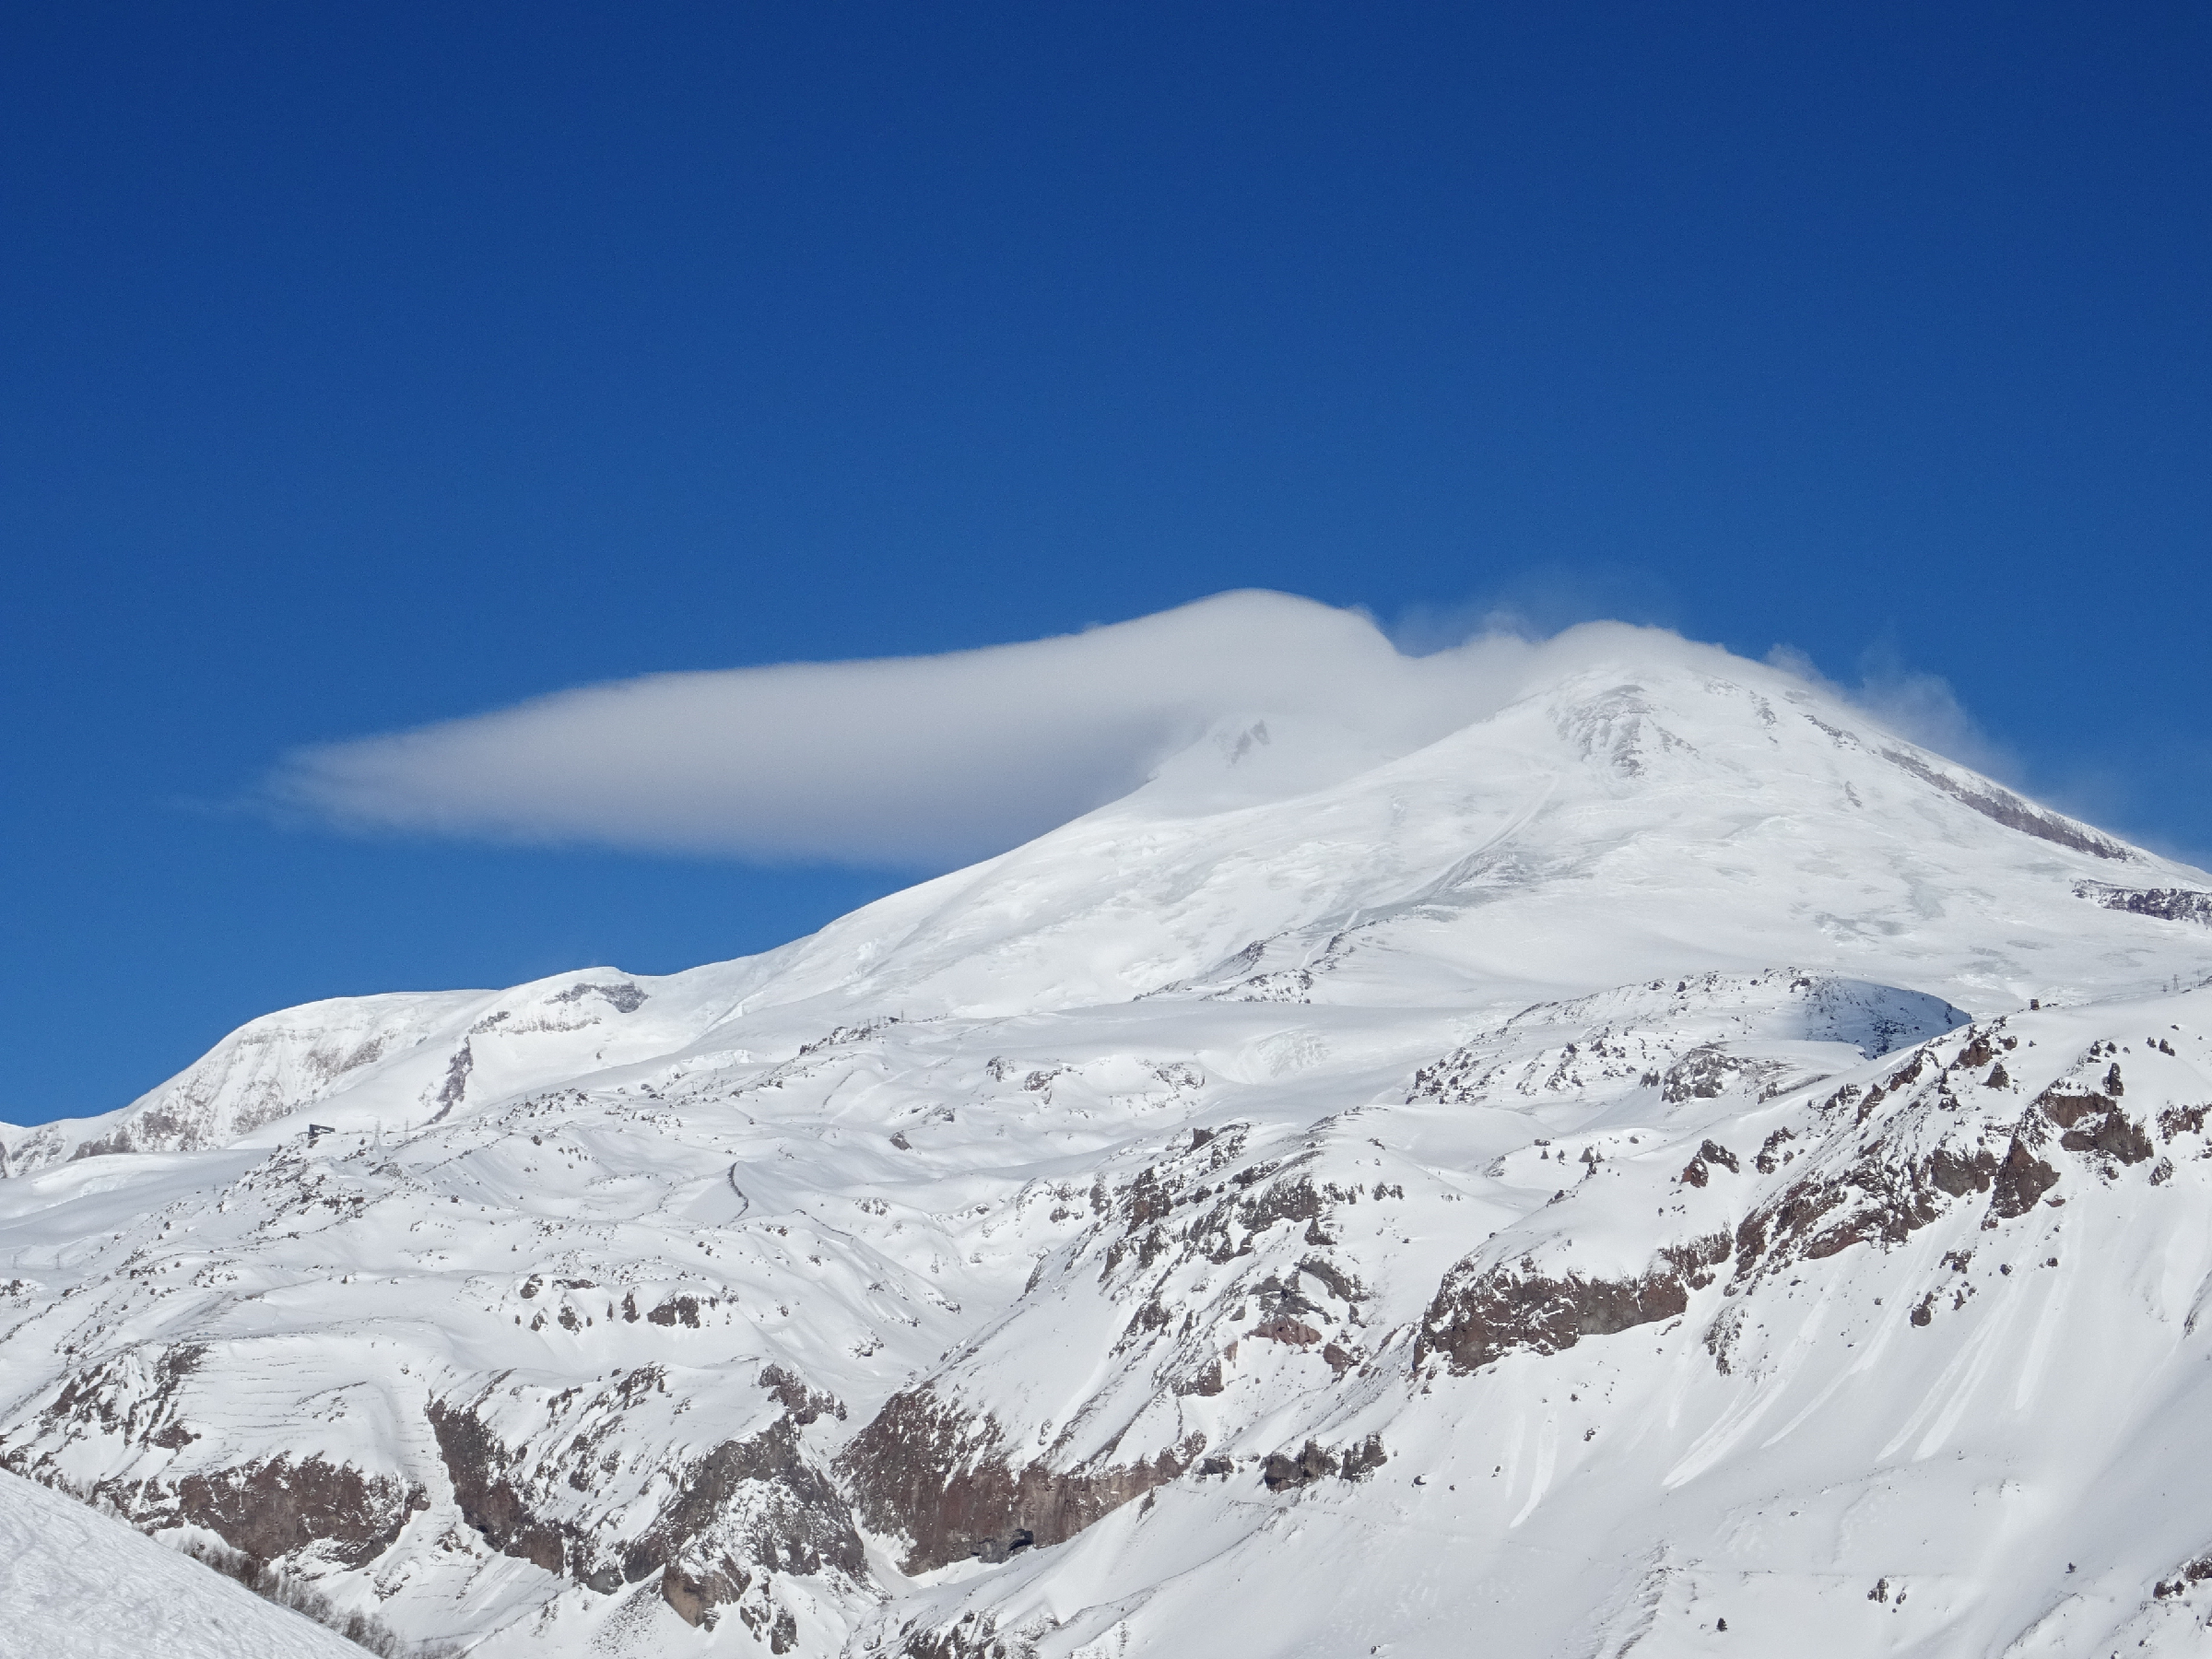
78	1584
1617	1137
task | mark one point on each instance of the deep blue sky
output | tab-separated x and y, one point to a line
369	364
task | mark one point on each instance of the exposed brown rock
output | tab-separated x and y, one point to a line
757	1501
1704	1073
1977	1053
2182	1120
1341	1285
2190	1574
943	1478
475	1463
2021	1180
974	1637
272	1509
2002	807
1364	1459
1205	1380
2095	1122
745	1507
1879	1199
2169	904
803	1403
1281	1474
1479	1316
694	1595
2115	1135
1293	1200
676	1309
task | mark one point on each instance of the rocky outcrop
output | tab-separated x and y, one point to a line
1481	1314
1282	1473
944	1479
2094	1122
2169	904
1710	1155
743	1510
275	1509
1285	1471
1705	1073
478	1464
2001	807
804	1404
756	1503
1876	1199
2021	1180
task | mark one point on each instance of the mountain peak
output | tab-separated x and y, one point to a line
1611	1144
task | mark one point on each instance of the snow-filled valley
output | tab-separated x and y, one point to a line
1670	1166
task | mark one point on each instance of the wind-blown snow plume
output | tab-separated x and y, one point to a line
930	761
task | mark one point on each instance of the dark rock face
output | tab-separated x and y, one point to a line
2169	904
1885	1194
1882	1198
676	1309
269	1509
804	1404
972	1638
1293	1200
624	998
1710	1156
1281	1474
1339	1284
2001	807
456	1081
477	1463
2190	1574
133	1396
1364	1459
756	1500
2093	1121
746	1508
1704	1073
1479	1316
1284	1471
926	1469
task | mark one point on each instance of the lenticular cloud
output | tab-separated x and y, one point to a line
929	761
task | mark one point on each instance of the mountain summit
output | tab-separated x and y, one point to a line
1668	1151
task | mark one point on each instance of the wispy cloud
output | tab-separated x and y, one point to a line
1915	704
926	762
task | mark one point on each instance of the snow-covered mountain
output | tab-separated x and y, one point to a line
1669	1152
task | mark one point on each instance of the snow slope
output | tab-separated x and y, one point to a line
78	1584
1601	1171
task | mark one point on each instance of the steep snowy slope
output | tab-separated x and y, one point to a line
76	1584
1601	1171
